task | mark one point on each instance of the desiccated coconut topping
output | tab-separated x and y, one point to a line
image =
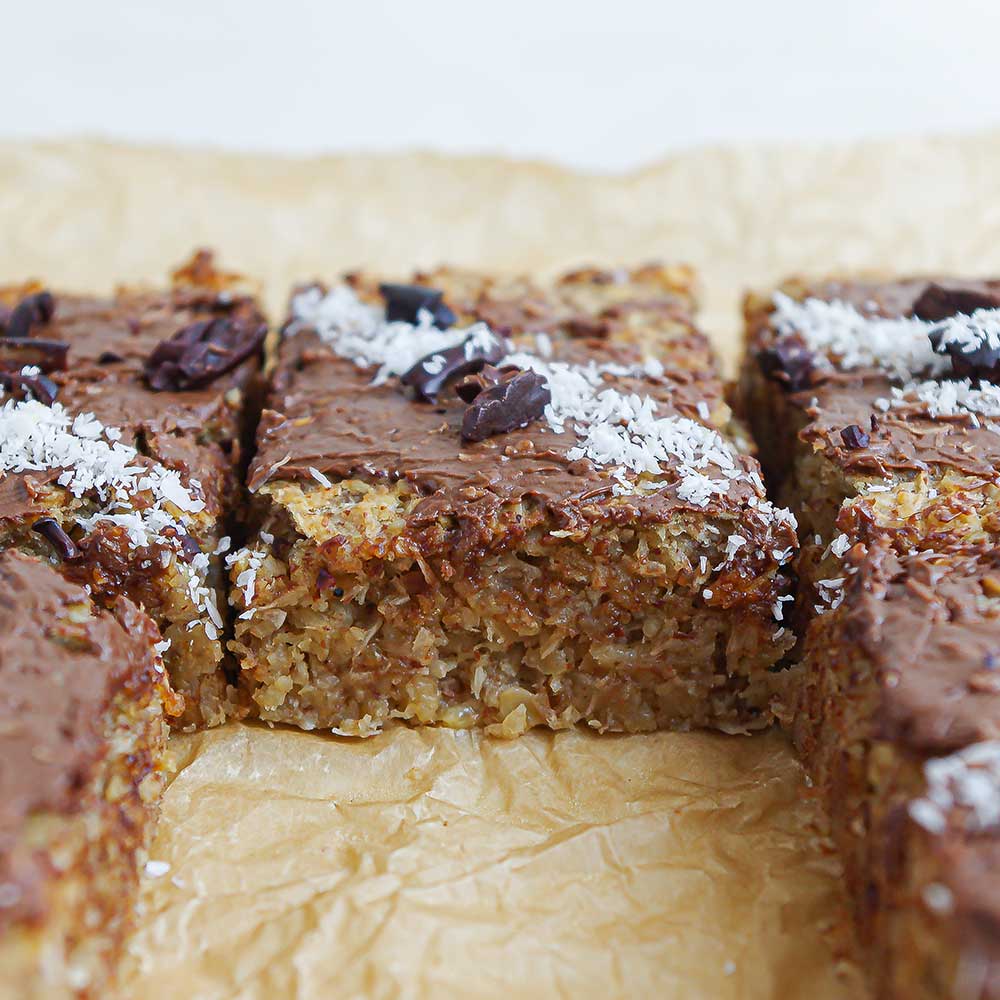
967	782
950	398
93	462
620	430
359	331
849	339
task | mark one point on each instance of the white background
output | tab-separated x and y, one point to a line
603	86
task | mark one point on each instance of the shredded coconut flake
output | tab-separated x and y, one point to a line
92	461
949	398
900	346
621	430
319	477
968	780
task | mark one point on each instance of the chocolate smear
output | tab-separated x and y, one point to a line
403	304
50	529
201	352
514	402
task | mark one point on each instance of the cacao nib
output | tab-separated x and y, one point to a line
790	362
19	352
432	373
403	304
201	352
50	529
854	437
514	402
938	302
32	310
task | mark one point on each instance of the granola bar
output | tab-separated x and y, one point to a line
875	406
122	431
495	502
82	737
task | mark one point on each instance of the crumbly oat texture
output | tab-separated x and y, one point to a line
82	736
122	428
485	502
875	406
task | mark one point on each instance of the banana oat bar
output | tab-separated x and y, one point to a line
494	502
82	735
121	440
900	724
871	391
878	415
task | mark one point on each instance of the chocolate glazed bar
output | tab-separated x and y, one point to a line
878	415
121	433
497	503
82	735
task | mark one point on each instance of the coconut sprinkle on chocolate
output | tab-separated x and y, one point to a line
619	430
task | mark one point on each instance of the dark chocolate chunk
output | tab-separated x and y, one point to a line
198	354
19	352
982	362
445	366
515	402
854	437
22	386
32	310
50	529
938	302
473	385
789	362
109	358
403	303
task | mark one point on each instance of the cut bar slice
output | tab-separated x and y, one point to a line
488	502
121	435
899	720
82	736
877	412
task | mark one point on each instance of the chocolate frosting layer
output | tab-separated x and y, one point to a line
61	664
197	432
325	414
930	625
903	438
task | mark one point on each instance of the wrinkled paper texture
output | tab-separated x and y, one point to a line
424	863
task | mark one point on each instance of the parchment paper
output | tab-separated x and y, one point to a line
427	863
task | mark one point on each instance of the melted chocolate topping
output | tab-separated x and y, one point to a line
59	671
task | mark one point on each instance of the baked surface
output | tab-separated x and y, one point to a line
82	736
612	559
886	449
139	470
